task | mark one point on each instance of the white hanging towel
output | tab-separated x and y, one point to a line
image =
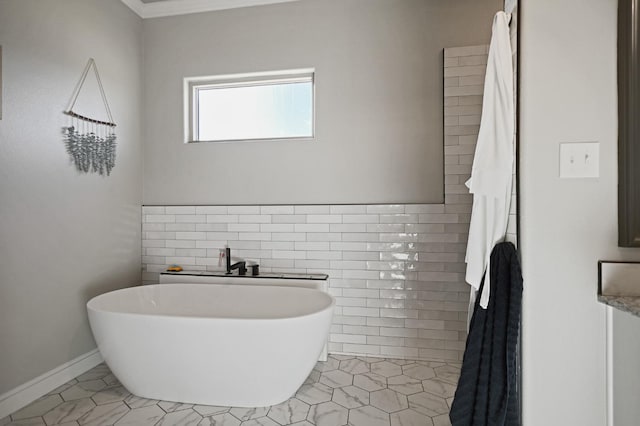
492	171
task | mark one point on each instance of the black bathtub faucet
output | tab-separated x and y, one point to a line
241	266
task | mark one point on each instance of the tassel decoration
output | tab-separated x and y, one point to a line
90	143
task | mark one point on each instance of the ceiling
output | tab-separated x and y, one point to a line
157	8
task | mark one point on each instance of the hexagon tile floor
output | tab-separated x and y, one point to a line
345	390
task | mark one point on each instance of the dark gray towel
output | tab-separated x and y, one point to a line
487	389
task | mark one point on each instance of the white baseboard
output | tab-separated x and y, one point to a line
23	395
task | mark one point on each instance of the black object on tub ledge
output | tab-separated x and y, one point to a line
255	270
269	275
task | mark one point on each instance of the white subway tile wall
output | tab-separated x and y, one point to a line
397	271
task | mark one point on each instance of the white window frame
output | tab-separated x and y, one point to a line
193	84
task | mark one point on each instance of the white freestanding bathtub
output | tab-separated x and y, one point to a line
316	281
212	344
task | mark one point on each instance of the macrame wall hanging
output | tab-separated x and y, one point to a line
91	143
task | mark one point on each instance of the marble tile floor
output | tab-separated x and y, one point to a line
345	390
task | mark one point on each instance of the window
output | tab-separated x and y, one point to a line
276	105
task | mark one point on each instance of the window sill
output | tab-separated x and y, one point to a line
296	139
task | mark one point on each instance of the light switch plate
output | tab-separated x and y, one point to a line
579	160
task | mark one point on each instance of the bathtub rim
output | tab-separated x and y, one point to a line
330	305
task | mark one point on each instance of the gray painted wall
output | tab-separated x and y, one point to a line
568	93
64	237
379	100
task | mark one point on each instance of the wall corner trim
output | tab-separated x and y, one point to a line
23	395
136	5
609	364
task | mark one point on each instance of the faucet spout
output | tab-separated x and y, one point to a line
240	266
